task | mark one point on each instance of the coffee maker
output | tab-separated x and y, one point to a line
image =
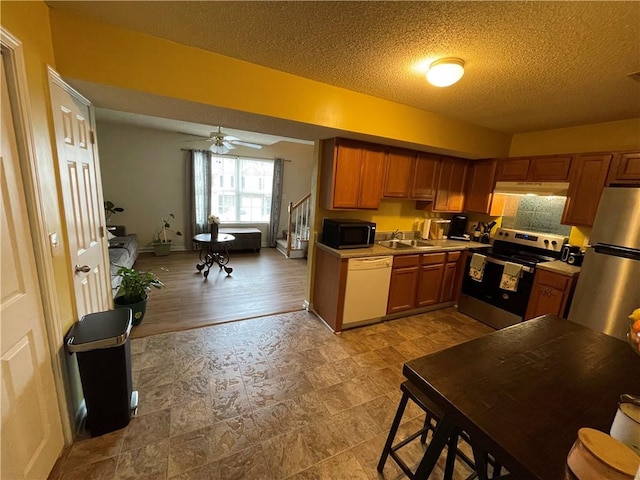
458	228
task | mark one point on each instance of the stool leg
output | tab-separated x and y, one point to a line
427	423
393	431
481	463
452	448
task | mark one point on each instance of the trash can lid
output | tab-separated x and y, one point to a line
100	330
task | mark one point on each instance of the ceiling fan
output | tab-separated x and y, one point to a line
221	142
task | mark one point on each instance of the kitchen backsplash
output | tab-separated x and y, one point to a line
537	214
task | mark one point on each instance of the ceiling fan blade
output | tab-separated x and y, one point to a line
199	139
246	144
229	145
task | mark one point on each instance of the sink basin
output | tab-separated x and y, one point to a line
416	243
394	244
399	244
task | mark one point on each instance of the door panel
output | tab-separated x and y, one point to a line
82	196
31	425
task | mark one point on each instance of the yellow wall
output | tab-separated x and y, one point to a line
105	54
29	22
598	137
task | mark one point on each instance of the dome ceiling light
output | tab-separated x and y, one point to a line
445	72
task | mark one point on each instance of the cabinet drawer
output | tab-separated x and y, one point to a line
453	256
432	258
404	261
555	280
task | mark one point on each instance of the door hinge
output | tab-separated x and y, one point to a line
92	137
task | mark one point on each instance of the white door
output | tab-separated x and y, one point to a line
82	196
31	429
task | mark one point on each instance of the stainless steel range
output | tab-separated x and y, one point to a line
486	294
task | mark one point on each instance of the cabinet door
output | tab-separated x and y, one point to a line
346	175
480	186
425	178
402	292
450	192
513	169
371	176
544	299
399	170
550	169
586	182
625	168
429	285
448	282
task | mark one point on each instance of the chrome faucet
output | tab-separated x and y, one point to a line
397	235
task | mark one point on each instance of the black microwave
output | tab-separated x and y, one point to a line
348	233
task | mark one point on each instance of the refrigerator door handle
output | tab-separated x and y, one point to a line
617	251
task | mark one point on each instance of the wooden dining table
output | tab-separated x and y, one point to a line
523	392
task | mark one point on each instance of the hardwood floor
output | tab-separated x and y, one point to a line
262	283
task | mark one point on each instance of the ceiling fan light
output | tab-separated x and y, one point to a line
445	72
219	149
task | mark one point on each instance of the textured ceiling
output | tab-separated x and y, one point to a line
529	65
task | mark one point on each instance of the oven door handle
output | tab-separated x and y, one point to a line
502	262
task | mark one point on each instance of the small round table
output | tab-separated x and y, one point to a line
213	251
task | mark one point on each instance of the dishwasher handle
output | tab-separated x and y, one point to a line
369	263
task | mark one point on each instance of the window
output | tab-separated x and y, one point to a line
248	199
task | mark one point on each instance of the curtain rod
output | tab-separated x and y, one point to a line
230	156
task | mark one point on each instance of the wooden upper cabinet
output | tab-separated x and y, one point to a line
451	182
352	174
625	169
550	169
480	185
399	171
371	176
513	169
534	169
425	178
587	179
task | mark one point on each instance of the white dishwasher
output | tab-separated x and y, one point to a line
367	291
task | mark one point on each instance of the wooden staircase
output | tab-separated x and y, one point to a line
296	243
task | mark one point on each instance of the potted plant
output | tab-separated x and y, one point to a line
109	209
162	243
133	289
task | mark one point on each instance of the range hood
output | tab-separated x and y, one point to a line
558	189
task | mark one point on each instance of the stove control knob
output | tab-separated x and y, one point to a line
506	234
554	243
546	242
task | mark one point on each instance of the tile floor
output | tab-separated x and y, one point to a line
278	397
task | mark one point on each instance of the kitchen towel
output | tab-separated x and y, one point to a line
476	267
510	276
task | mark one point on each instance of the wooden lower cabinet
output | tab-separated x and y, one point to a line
423	280
551	293
404	283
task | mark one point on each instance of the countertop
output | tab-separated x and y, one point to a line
559	267
378	250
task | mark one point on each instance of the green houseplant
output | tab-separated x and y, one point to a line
133	289
110	208
162	242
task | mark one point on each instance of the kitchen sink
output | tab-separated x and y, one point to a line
394	244
400	244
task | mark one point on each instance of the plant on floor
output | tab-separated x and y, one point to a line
133	289
162	242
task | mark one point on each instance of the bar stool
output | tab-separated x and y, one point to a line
433	416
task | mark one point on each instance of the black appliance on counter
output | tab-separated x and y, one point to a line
458	228
348	233
484	300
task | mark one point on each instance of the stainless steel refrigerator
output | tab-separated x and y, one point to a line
608	288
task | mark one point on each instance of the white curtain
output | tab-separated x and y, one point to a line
276	201
199	177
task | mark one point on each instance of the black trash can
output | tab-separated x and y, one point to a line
101	342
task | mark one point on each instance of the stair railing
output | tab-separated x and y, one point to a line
299	227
